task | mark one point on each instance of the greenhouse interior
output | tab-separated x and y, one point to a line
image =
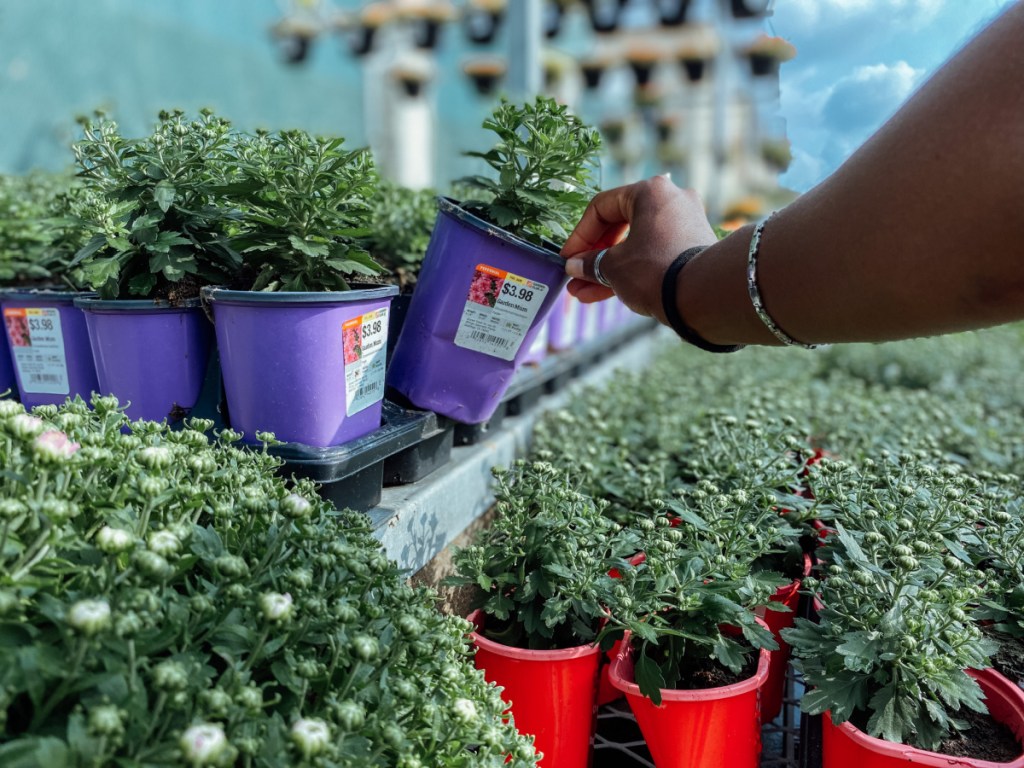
507	511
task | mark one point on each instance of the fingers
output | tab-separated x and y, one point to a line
604	223
581	265
588	292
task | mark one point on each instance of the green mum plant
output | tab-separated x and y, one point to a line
158	219
542	168
540	572
169	601
38	233
307	205
895	634
401	224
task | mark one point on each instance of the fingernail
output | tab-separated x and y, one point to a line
574	267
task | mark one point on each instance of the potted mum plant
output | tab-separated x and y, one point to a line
898	667
491	276
766	53
46	344
302	347
540	576
158	233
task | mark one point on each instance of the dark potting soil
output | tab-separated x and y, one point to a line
700	674
984	740
1009	659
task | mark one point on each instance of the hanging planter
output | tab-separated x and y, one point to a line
486	74
592	71
672	13
551	694
49	345
766	54
429	20
845	746
363	34
777	154
295	36
554	15
482	19
749	9
484	290
556	67
613	131
411	78
605	15
150	355
705	728
643	61
666	127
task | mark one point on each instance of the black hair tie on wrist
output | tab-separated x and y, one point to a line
669	306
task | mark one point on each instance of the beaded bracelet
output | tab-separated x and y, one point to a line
671	310
755	292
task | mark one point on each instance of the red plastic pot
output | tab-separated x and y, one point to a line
708	728
776	621
845	746
606	692
550	694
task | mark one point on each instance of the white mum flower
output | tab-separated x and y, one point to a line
203	744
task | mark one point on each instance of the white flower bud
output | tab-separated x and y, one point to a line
464	710
203	744
10	408
155	457
164	543
89	616
114	540
295	506
276	607
25	426
311	735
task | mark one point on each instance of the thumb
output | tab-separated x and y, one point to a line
581	265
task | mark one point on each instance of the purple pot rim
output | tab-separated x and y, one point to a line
215	294
451	208
43	294
96	304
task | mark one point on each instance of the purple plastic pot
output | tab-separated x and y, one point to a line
150	355
590	322
564	322
539	348
308	367
480	301
49	346
8	384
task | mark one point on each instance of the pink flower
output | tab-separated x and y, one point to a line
54	445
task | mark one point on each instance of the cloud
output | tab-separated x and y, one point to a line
828	123
808	15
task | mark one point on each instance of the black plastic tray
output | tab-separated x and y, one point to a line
432	450
352	475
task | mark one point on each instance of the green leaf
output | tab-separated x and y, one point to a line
649	678
886	722
859	650
164	194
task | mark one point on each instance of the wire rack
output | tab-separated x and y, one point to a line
619	743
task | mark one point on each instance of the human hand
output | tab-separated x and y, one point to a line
644	226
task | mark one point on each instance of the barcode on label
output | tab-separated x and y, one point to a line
490	338
367	389
41	378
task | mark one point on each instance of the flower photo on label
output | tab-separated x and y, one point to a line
17	331
353	343
484	289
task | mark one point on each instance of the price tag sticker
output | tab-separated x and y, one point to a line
38	345
500	308
366	346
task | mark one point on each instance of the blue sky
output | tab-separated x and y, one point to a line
857	61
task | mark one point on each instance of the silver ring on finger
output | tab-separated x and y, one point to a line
597	269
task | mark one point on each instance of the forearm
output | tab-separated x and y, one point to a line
920	232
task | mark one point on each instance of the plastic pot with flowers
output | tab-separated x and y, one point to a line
158	225
896	664
44	348
695	657
302	347
490	277
542	585
169	601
